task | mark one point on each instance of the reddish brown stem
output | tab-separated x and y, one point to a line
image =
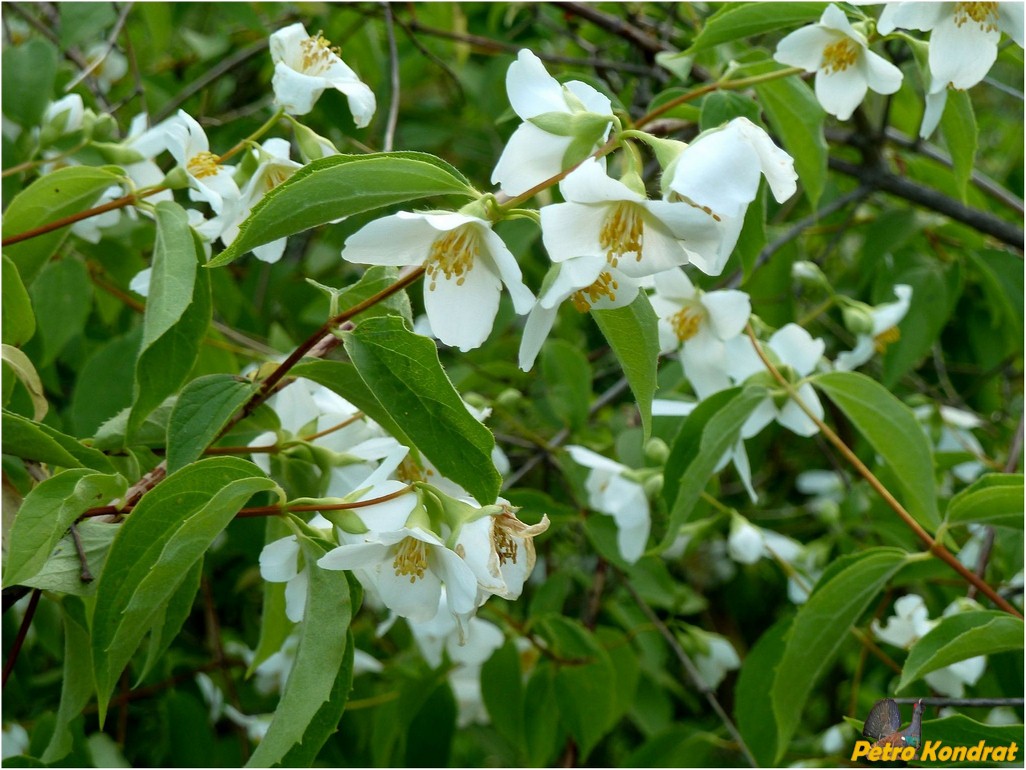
19	640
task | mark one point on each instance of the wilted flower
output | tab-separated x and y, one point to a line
305	65
466	265
534	153
845	67
499	548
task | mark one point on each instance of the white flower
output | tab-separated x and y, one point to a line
604	217
611	493
588	282
408	568
279	563
720	171
274	167
963	37
845	67
532	154
719	658
886	318
209	180
65	115
699	323
499	549
15	740
748	544
796	350
466	264
949	428
111	68
304	66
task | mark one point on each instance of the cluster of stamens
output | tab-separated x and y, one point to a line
604	286
452	255
622	233
505	545
409	472
318	54
885	338
686	322
410	558
203	164
984	14
840	55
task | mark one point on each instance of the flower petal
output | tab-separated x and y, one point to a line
531	89
462	313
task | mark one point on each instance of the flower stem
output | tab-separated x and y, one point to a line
933	547
267	126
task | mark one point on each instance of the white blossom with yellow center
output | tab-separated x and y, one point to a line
466	265
209	180
698	324
408	567
305	66
839	55
500	550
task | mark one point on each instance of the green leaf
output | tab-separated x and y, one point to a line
34	441
59	194
736	21
47	512
77	682
820	627
62	296
632	333
339	186
796	117
200	413
755	719
62	572
19	323
541	730
178	312
502	691
894	433
958	127
318	684
703	439
26	373
585	685
29	71
567	381
753	234
275	626
995	499
407	379
166	533
171	618
962	636
960	730
719	107
375	280
342	378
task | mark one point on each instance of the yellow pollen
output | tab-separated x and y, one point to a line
452	255
984	14
840	55
505	545
604	286
622	233
203	164
411	558
885	338
318	54
409	471
687	321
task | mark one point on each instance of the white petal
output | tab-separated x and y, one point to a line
674	285
961	56
776	165
539	324
588	183
890	314
361	100
589	459
392	240
416	599
660	251
935	103
530	157
508	270
794	419
462	315
532	90
460	583
295	596
912	15
572	230
797	348
1010	21
354	556
729	311
804	47
841	91
593	100
278	560
700	235
882	76
574	274
760	417
850	360
704	360
626	503
834	18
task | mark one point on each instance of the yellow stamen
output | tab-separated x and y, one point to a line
885	338
840	55
203	164
676	197
503	542
409	472
411	558
984	14
453	254
687	321
318	54
622	232
604	286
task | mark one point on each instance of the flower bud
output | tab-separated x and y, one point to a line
858	317
657	450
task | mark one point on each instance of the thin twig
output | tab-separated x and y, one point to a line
963	702
19	640
112	38
85	575
393	64
691	670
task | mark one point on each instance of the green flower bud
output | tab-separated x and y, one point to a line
858	317
657	450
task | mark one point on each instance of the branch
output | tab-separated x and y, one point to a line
19	640
883	180
636	37
393	63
